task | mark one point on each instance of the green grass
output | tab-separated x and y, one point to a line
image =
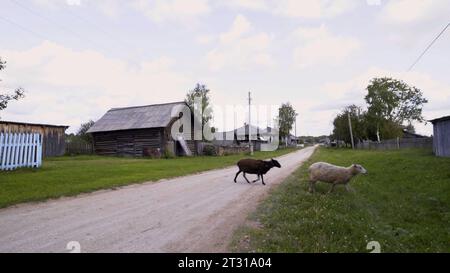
403	203
68	176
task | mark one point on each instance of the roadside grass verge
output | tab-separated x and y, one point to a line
403	203
68	176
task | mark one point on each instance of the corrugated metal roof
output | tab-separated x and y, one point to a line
139	117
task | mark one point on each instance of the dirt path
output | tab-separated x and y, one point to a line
196	213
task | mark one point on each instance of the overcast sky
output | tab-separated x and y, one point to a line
78	58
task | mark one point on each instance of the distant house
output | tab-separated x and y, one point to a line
53	136
407	134
441	136
142	131
241	136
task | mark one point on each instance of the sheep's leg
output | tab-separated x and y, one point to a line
254	181
237	176
312	186
246	178
332	188
348	188
262	176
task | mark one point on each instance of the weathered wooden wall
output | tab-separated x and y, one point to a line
53	143
441	143
128	143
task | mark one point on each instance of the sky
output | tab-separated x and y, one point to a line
78	58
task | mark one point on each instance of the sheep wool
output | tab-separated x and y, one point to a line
336	175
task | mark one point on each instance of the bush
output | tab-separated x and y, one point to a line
209	150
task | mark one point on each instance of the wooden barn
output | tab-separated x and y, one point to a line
142	131
53	136
441	136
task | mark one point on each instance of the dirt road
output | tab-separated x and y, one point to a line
196	213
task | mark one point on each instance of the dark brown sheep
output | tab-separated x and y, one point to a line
258	167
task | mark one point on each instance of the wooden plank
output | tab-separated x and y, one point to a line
5	151
2	137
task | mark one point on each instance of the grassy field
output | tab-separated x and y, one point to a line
67	176
403	203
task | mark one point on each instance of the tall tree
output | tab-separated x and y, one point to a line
202	92
82	131
341	129
286	119
6	98
393	102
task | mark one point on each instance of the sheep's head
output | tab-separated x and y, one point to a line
358	169
276	163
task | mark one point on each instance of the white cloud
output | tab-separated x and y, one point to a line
318	46
241	48
413	22
68	87
310	9
172	10
247	4
415	11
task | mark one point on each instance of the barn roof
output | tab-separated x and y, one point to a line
139	117
440	119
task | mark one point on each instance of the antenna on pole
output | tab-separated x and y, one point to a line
250	122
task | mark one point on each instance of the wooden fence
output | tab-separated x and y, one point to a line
396	144
79	148
20	150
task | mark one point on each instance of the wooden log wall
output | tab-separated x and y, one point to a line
129	143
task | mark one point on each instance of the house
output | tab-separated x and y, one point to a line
240	136
407	134
53	136
441	138
142	131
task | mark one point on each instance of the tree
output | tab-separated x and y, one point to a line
82	131
341	129
202	92
6	98
286	119
392	103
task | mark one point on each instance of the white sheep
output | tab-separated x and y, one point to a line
332	174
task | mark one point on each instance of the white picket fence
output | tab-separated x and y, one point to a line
20	150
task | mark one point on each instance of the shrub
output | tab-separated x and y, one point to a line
209	150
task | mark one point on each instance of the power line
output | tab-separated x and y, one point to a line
23	28
119	42
426	50
123	44
65	29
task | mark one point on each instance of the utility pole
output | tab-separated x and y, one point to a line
250	122
351	130
296	137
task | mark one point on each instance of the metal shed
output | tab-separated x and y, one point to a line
140	131
53	136
441	138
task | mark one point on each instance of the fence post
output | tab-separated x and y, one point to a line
398	143
1	150
39	151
